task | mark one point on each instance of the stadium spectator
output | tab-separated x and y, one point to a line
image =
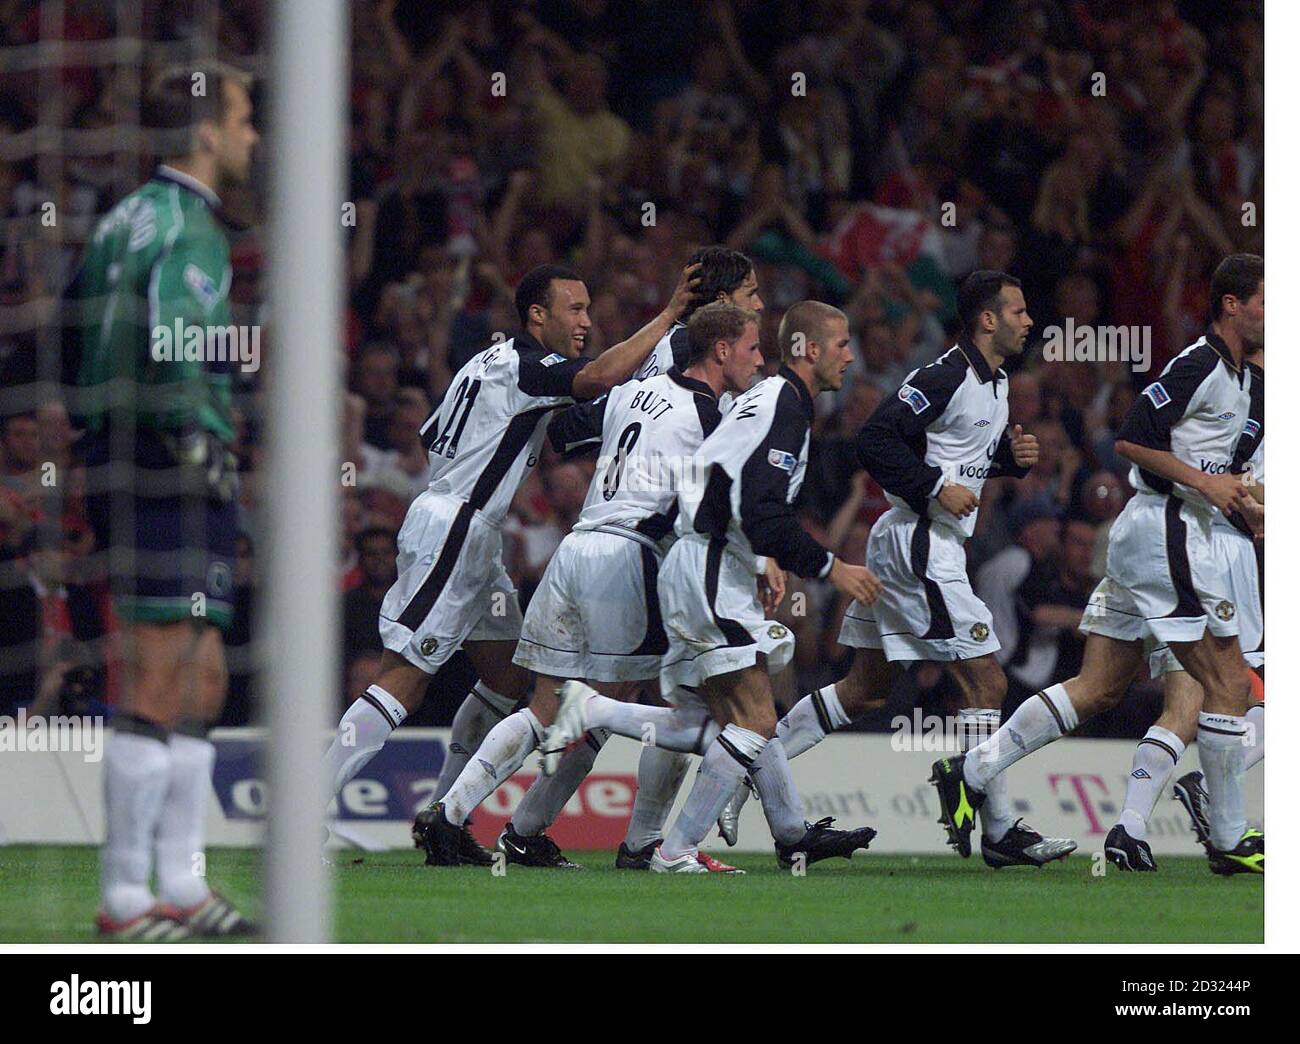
377	556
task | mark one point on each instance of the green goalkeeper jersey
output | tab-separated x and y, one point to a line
157	264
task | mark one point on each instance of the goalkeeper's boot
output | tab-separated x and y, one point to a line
215	918
439	837
471	852
1190	791
570	723
1246	858
538	850
1024	847
1128	853
729	818
627	859
821	842
160	923
958	802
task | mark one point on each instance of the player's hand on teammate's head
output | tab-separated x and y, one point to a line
687	289
1024	448
957	500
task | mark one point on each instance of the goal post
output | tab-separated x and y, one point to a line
299	621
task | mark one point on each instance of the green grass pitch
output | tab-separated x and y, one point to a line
48	894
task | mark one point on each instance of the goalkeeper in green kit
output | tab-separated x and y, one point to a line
154	378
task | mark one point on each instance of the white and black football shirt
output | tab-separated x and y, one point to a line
752	468
947	423
487	433
647	433
1197	410
672	351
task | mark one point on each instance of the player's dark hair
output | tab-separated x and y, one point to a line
714	322
979	292
183	96
1238	275
535	288
804	321
722	270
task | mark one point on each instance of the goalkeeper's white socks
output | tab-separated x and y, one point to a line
726	763
362	732
810	721
976	724
546	798
499	757
137	772
179	845
478	712
1044	717
1254	735
1222	742
1153	765
688	729
659	776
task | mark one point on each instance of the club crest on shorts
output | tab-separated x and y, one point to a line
777	631
979	631
1225	610
428	646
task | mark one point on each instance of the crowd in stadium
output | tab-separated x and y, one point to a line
867	153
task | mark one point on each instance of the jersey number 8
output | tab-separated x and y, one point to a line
615	473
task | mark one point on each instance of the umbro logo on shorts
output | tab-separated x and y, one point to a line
1225	610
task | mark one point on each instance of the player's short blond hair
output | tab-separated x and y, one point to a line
809	318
